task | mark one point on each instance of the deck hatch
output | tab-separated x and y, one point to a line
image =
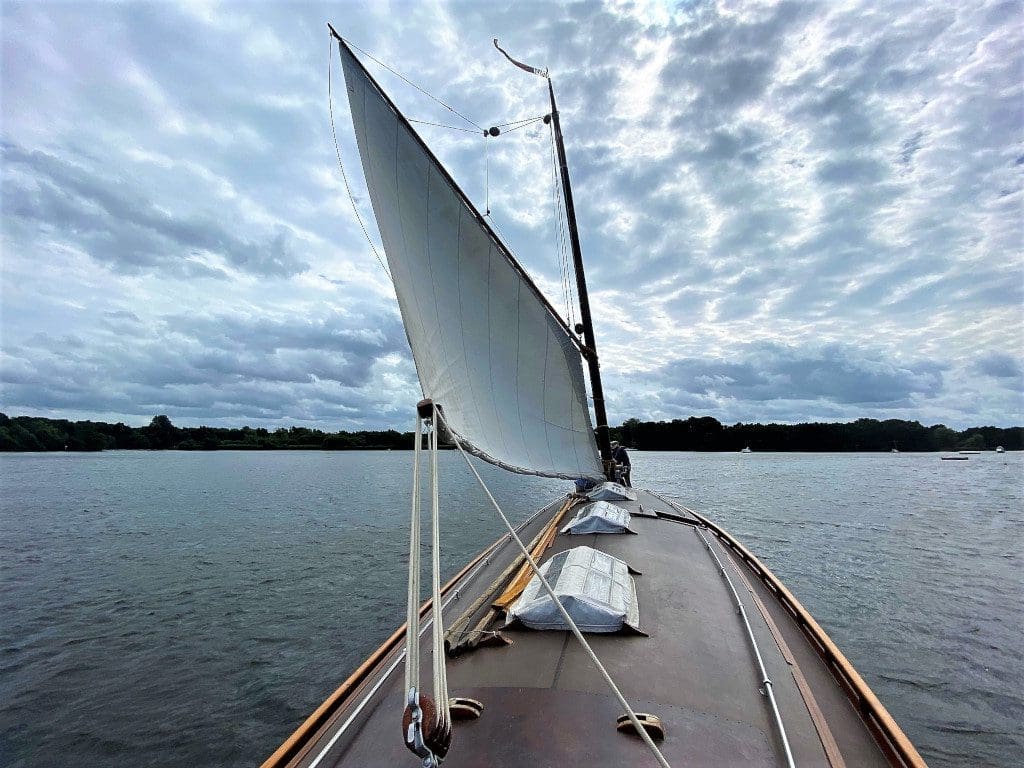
611	492
599	517
594	587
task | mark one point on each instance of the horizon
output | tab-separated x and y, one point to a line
144	422
791	213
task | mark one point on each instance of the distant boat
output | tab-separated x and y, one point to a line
1000	449
954	458
746	450
969	452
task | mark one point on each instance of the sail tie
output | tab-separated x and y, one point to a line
426	721
565	614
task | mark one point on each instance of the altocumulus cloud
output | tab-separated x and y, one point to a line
789	210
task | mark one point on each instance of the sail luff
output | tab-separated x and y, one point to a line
487	345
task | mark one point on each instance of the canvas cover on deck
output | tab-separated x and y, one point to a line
487	348
593	587
612	492
599	517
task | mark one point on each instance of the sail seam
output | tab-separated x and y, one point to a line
490	352
405	249
544	396
462	330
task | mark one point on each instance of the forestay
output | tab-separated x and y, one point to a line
487	347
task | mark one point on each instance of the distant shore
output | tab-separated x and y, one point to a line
33	433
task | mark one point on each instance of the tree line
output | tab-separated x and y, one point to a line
32	433
708	434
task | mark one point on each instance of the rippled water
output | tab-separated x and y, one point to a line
172	608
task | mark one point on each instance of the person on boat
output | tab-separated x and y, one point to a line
622	459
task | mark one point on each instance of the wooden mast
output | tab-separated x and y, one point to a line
590	352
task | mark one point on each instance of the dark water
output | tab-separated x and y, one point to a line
165	609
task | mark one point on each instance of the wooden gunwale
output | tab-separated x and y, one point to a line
871	708
322	714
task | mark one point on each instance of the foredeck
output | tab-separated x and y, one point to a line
545	704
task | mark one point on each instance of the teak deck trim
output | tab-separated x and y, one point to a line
873	711
525	573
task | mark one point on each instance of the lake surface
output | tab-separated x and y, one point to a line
167	609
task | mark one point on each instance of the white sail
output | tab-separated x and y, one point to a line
488	348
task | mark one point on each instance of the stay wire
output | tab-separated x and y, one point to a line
426	93
523	125
522	120
440	125
337	152
562	234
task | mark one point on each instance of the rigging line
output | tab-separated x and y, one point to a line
565	228
344	176
440	668
412	613
767	686
558	240
523	125
523	120
560	244
565	231
563	248
641	731
441	125
410	82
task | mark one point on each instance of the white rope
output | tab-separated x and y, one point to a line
440	676
641	731
412	615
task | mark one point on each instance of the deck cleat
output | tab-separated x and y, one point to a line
462	708
651	723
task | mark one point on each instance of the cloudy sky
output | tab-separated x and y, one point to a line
789	212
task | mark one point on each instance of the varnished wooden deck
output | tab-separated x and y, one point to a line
545	704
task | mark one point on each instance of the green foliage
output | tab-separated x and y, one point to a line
975	442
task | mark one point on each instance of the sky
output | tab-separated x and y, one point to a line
789	212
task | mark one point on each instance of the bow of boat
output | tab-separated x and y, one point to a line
694	667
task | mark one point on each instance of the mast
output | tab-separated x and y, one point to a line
590	353
589	349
